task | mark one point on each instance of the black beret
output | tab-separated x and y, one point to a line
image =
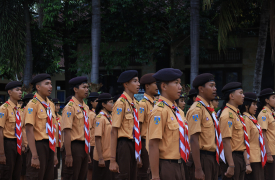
28	96
127	76
192	92
68	99
251	96
50	98
104	97
56	101
116	97
201	79
183	96
147	79
217	98
267	91
78	80
39	78
167	74
232	86
13	84
93	95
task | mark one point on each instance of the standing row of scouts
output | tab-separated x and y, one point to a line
129	140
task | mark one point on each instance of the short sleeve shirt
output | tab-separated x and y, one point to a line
232	127
200	121
163	125
92	116
36	115
253	135
103	129
145	109
8	119
73	119
267	122
123	116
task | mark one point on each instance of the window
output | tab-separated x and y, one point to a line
60	94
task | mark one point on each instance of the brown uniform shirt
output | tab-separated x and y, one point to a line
200	121
56	131
92	116
8	119
145	109
163	125
36	115
232	127
103	129
267	122
123	116
73	119
253	135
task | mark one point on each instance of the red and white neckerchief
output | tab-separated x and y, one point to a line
59	131
107	116
49	125
261	140
218	135
136	130
86	128
246	140
18	129
183	130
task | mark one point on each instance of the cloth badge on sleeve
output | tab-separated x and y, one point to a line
263	118
119	110
2	115
195	117
230	124
141	110
157	120
69	114
30	110
97	124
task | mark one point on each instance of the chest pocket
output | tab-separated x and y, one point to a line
129	120
238	129
42	119
173	127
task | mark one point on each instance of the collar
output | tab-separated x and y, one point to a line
269	110
149	97
232	107
105	112
11	104
204	101
248	115
76	101
168	101
128	97
41	99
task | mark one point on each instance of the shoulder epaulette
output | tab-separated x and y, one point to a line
137	102
70	103
99	115
34	100
264	111
5	105
122	99
198	105
161	104
143	100
231	115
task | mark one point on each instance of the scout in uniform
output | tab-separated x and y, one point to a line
203	127
93	96
76	127
125	135
39	121
215	102
145	108
192	96
256	140
102	150
11	134
57	130
267	122
25	147
234	134
181	103
168	131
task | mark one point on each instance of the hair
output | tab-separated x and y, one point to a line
261	104
25	102
89	102
246	102
76	86
197	88
159	85
99	106
226	99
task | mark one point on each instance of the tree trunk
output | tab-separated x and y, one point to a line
172	56
29	60
40	14
195	37
96	36
261	47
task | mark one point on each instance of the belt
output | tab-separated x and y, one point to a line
143	140
237	152
125	139
10	139
178	161
77	141
208	152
